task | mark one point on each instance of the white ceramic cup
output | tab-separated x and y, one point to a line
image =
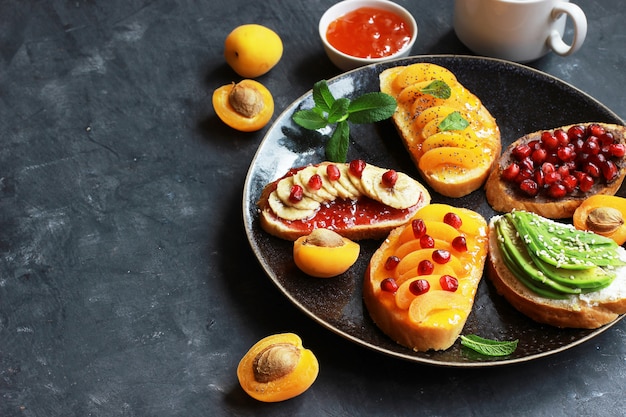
518	30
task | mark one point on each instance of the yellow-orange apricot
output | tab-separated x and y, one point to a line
604	215
252	50
246	106
277	368
324	253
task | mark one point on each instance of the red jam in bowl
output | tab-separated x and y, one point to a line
369	32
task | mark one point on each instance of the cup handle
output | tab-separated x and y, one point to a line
555	41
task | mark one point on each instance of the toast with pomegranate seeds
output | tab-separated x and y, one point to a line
452	138
551	172
420	284
357	200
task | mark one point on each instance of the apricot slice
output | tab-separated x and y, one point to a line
430	114
277	368
324	253
449	138
246	106
426	304
412	260
604	215
404	296
423	72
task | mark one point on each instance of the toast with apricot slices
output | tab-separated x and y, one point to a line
356	200
452	138
551	172
420	284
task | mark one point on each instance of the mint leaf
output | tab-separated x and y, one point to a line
454	121
337	146
339	110
438	89
489	347
310	119
322	97
371	108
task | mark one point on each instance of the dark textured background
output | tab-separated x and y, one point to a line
127	285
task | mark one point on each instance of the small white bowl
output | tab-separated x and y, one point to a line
347	62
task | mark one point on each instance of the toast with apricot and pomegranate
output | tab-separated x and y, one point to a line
451	136
357	200
551	172
420	284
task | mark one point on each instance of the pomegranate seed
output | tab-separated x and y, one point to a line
391	263
562	137
441	256
538	156
419	287
592	170
296	194
565	153
315	182
529	187
549	141
527	163
460	243
390	177
425	267
521	151
389	285
548	168
524	175
510	172
419	228
569	182
595	130
449	283
333	172
592	146
575	132
563	170
609	171
427	242
617	150
606	139
552	177
453	220
356	167
557	190
585	183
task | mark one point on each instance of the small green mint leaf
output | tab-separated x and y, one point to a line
438	89
339	110
489	347
454	121
371	108
337	145
322	97
310	119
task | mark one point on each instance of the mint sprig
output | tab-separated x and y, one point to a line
367	108
438	89
489	347
454	121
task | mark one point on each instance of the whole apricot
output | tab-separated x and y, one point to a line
252	50
246	106
277	368
324	253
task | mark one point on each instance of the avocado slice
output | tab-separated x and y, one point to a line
521	264
563	246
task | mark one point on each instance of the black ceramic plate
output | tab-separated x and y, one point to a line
522	100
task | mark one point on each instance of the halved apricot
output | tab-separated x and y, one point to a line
246	106
604	215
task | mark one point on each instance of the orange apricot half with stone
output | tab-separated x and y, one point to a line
604	215
277	368
246	106
324	253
